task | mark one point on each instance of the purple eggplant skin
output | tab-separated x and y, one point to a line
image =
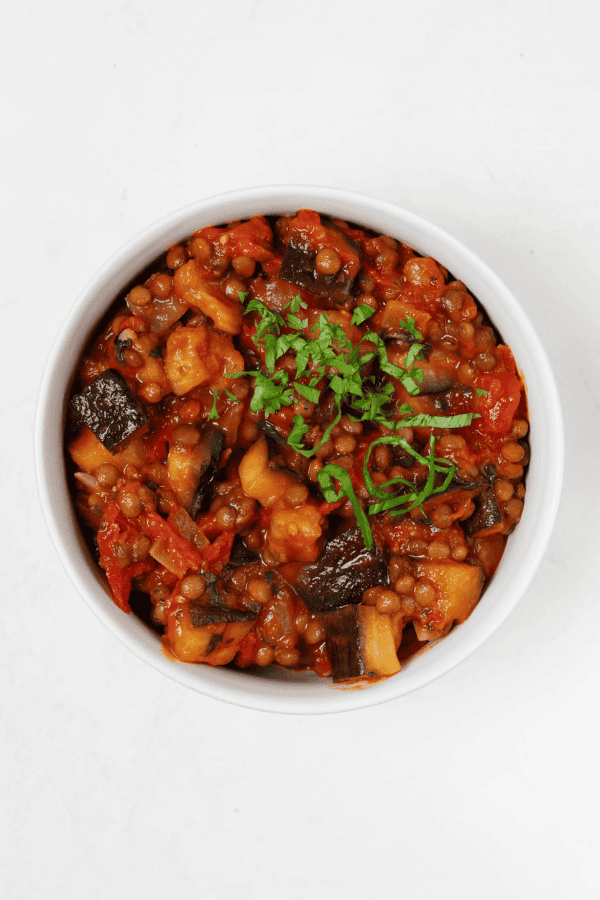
298	268
210	446
435	382
342	638
241	554
343	572
487	514
109	408
214	615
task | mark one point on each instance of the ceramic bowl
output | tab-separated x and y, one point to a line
279	690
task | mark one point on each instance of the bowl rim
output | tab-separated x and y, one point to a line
524	551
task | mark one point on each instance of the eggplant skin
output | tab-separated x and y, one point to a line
298	268
343	572
487	514
360	642
109	408
342	630
210	447
213	615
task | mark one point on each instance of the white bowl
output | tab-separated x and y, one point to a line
281	691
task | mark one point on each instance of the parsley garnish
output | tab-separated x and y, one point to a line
405	501
327	360
361	314
325	478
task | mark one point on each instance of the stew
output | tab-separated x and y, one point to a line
297	442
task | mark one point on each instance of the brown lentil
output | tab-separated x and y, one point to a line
152	392
405	585
388	603
161	286
176	256
107	475
327	262
296	495
200	249
140	296
512	452
514	509
503	489
193	587
130	505
260	590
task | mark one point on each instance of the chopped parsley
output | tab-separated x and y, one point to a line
326	360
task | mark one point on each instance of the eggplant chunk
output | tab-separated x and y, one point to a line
109	408
241	554
360	643
211	615
209	450
434	382
487	515
298	267
193	471
343	572
215	643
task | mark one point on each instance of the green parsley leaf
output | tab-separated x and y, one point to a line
423	420
295	322
297	433
271	394
409	326
296	305
213	414
309	393
325	478
361	314
406	501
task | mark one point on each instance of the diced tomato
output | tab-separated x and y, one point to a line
245	654
498	406
115	527
253	239
186	556
217	555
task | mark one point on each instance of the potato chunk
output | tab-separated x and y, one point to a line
258	480
458	587
199	355
215	644
294	533
208	298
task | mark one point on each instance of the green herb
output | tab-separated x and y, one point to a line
308	391
361	314
297	433
270	394
326	354
295	305
122	344
325	478
406	501
213	414
424	420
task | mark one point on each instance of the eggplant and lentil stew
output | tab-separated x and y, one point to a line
298	442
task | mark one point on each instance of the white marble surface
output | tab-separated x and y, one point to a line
481	117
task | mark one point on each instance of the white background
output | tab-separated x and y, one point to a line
484	118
